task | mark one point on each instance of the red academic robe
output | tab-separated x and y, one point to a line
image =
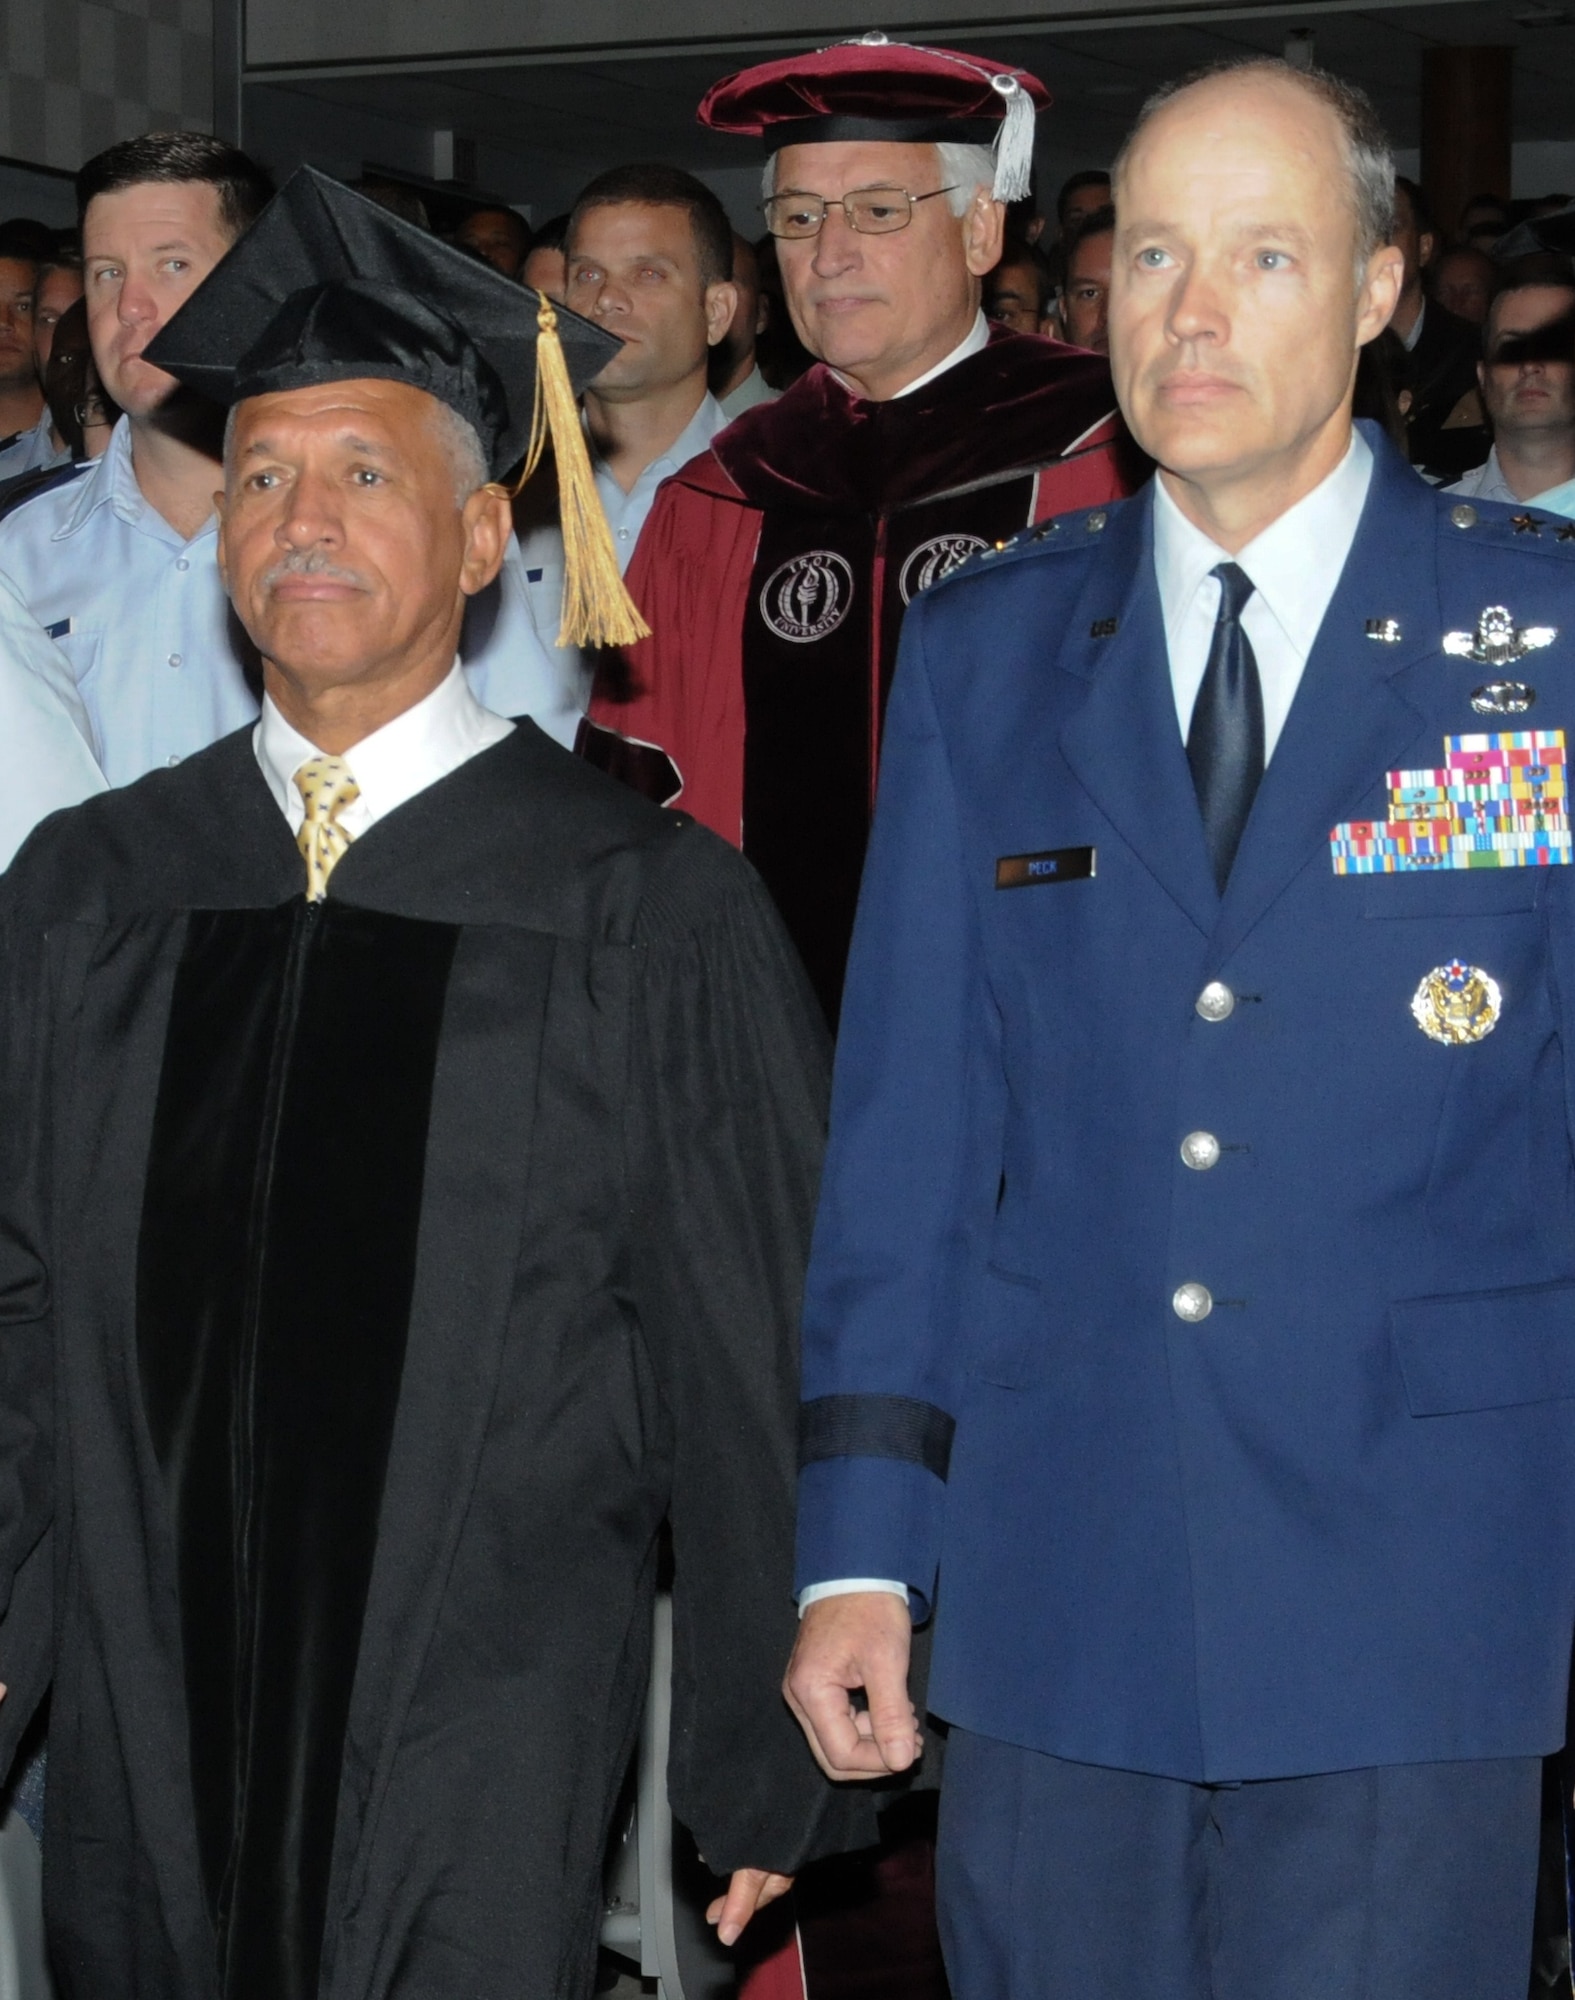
774	571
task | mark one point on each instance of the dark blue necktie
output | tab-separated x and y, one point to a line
1225	740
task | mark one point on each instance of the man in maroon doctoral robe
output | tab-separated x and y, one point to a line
775	568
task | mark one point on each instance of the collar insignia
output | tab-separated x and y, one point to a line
1385	630
1525	524
1497	640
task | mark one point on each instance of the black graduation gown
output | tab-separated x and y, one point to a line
374	1281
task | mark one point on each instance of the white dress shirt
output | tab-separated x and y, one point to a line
444	730
1294	566
142	617
974	341
46	756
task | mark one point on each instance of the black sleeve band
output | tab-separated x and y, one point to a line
876	1427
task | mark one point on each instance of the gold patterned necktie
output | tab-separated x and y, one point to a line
326	787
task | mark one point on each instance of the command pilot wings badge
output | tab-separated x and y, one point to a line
1497	641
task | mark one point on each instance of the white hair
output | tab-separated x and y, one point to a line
963	169
463	443
459	436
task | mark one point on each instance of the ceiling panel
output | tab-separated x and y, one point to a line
609	110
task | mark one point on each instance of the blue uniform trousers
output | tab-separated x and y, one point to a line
1064	1881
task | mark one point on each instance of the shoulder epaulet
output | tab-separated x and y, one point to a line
1497	524
1062	533
27	486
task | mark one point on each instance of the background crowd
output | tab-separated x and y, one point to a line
1474	379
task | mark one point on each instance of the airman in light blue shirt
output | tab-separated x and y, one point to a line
118	560
541	552
160	661
46	761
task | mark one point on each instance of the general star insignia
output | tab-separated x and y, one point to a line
1525	524
1567	532
1497	641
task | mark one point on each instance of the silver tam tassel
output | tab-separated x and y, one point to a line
1014	148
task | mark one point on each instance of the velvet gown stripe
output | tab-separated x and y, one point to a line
825	613
276	1264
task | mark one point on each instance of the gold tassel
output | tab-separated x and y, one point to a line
597	610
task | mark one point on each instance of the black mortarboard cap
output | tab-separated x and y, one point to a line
327	286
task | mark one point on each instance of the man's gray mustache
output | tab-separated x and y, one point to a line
313	563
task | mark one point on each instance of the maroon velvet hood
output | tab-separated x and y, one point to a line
1021	402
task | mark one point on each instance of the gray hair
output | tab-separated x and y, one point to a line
1368	157
466	456
963	168
459	437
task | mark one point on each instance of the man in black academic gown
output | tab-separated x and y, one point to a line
409	1139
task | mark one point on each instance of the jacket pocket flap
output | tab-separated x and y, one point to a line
1453	892
1485	1350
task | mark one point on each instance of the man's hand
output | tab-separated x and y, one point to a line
860	1640
748	1890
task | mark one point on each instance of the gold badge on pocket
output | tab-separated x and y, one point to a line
1457	1003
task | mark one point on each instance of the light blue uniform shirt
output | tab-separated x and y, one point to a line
45	759
156	652
32	451
542	554
627	512
1556	500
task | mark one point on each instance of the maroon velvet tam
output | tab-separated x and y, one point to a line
874	89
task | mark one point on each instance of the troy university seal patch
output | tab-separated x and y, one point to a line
936	558
808	597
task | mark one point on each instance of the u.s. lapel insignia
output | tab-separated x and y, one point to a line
1385	630
1457	1003
1503	698
1104	628
1498	641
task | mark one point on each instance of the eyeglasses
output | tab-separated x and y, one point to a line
876	211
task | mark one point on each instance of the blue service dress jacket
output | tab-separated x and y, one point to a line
1258	1461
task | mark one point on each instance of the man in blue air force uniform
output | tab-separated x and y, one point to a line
1191	1326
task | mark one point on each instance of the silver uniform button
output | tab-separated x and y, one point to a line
1216	1002
1463	516
1201	1150
1192	1301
